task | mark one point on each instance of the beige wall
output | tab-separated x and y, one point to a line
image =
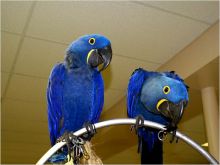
196	55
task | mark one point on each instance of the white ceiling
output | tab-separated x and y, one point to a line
35	35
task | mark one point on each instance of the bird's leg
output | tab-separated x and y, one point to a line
139	123
91	131
68	137
75	146
168	129
174	136
172	129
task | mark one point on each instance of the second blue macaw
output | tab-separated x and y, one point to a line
75	92
158	97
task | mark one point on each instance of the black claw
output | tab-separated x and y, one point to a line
67	137
91	131
172	129
177	139
172	138
139	123
75	146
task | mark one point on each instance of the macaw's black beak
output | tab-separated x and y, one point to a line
173	112
100	57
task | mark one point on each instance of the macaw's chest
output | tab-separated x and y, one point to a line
78	99
78	86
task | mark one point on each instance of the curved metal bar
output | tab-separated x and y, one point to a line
147	123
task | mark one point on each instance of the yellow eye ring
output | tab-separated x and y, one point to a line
92	41
166	89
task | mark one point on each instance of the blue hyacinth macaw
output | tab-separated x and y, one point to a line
158	97
75	92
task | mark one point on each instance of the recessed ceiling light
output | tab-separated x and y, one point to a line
205	145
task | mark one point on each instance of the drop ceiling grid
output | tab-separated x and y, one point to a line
14	15
37	57
202	11
4	80
30	70
135	28
28	14
9	47
21	56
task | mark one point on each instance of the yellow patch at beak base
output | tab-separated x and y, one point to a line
89	54
160	102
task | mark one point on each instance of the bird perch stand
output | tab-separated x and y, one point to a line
147	123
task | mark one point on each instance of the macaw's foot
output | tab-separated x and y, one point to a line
91	131
139	123
162	135
75	146
173	137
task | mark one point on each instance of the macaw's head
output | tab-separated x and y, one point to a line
165	94
89	51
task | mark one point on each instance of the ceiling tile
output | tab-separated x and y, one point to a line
14	15
207	11
21	110
117	75
37	57
4	81
112	97
150	35
9	48
27	88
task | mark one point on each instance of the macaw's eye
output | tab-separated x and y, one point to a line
166	89
92	41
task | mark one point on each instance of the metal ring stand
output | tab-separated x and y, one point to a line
147	123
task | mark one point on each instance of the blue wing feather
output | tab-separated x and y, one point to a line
98	94
134	87
54	99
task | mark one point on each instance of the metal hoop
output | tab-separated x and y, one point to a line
147	123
